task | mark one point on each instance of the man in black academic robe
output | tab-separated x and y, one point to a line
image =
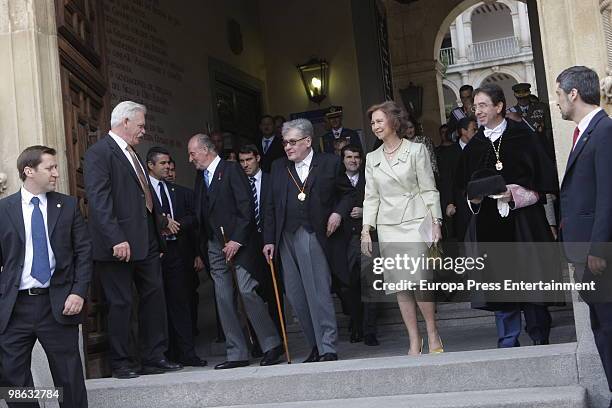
525	163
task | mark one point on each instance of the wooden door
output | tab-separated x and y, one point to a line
86	114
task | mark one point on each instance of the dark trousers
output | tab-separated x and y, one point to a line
601	324
178	304
33	319
363	313
508	321
600	311
117	279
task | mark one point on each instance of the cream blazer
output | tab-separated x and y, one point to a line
402	190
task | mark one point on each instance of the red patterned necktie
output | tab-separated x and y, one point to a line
576	133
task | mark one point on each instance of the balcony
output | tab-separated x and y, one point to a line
483	51
447	56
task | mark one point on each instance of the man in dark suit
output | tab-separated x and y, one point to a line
301	212
45	259
586	199
363	312
188	243
178	276
224	208
249	159
270	144
334	116
126	223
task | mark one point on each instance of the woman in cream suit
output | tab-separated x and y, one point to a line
400	196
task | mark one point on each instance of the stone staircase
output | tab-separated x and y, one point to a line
542	376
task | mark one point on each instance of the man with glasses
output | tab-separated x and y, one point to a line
309	197
465	110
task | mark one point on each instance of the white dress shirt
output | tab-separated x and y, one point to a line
123	146
212	167
337	133
27	281
496	132
584	124
354	179
258	177
303	167
462	144
155	183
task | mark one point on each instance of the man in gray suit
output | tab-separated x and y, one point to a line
224	210
309	197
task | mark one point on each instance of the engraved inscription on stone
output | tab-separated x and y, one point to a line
140	65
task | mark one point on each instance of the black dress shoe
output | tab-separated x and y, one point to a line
540	342
272	356
313	357
124	373
370	340
329	357
193	362
232	364
356	336
163	365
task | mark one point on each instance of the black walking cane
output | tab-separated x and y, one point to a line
280	310
232	269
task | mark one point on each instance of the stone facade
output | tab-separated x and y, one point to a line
572	33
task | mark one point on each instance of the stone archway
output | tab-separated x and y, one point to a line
505	80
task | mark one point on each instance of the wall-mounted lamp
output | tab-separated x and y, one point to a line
314	75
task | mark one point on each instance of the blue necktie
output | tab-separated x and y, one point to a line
41	269
266	145
206	178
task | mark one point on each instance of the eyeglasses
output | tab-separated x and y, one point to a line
292	142
480	107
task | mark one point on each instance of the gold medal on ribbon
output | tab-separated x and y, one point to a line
301	195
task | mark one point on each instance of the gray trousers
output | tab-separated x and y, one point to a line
307	280
237	347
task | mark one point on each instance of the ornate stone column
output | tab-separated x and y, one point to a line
30	103
605	7
30	90
572	34
523	20
461	40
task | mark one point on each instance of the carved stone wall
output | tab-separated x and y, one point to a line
30	94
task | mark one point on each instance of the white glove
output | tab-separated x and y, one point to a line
503	208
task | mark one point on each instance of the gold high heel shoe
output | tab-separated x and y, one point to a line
420	350
438	350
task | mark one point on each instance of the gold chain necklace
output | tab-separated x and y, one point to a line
498	165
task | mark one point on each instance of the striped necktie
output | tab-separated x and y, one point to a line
255	202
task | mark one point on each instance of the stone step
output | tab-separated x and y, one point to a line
450	315
524	367
542	397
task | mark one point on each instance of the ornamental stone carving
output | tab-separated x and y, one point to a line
605	7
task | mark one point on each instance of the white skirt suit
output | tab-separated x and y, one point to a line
399	194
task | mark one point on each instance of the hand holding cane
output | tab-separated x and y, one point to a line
280	310
232	269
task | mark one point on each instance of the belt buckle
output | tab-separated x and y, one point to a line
30	293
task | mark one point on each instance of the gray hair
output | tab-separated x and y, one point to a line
204	141
126	109
304	126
